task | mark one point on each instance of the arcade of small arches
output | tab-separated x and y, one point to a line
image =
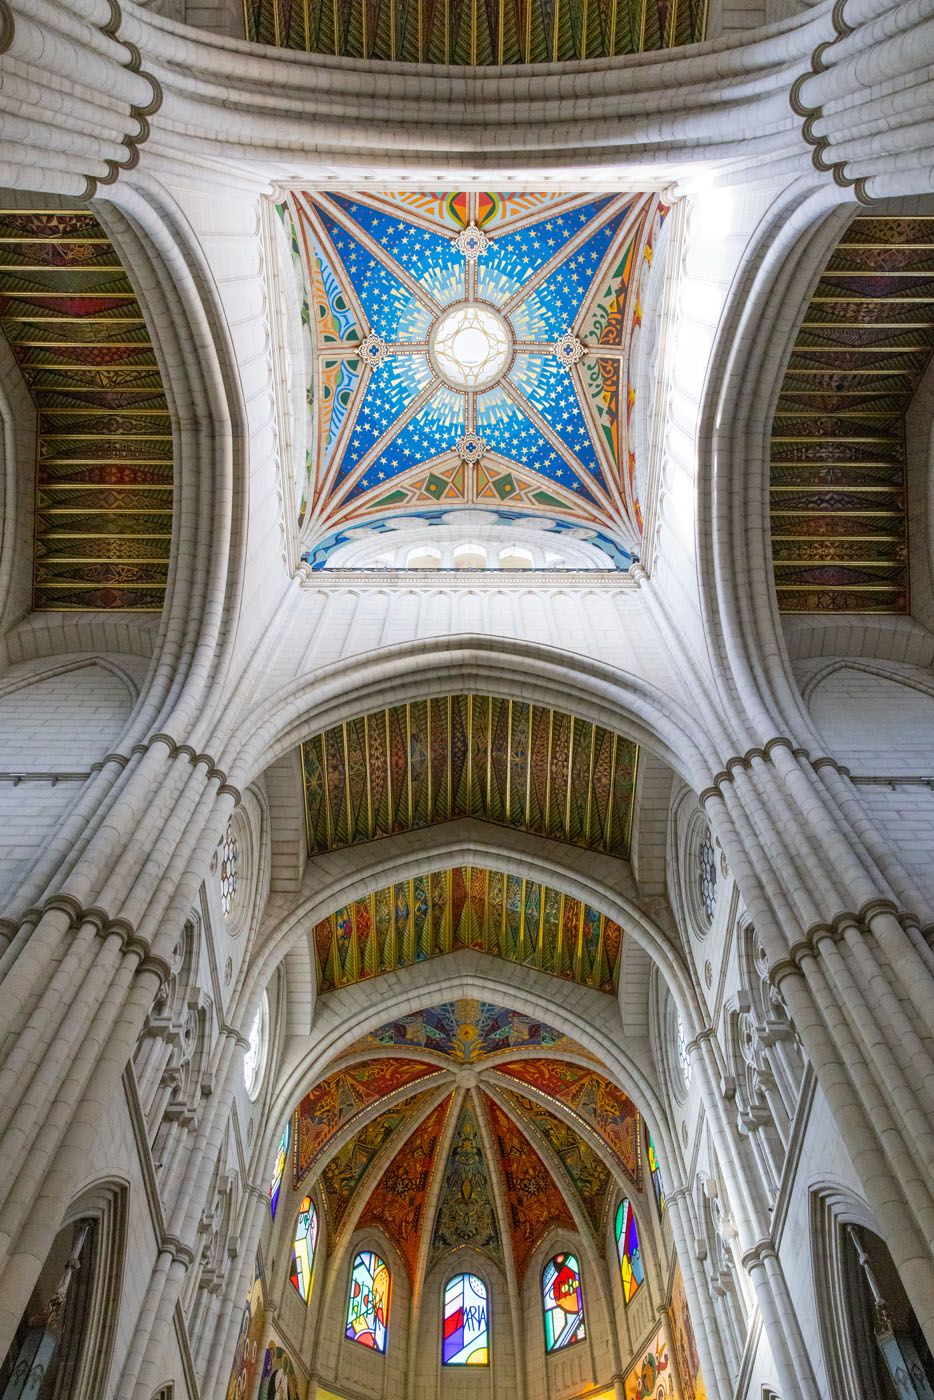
466	701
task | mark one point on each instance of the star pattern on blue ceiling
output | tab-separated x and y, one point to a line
389	267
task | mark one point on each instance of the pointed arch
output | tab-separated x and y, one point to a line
304	1242
368	1301
465	1326
278	1171
562	1302
628	1250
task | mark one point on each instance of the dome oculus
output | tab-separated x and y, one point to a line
470	347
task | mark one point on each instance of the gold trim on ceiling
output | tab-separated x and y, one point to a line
104	468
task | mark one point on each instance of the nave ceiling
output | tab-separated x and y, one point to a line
467	1124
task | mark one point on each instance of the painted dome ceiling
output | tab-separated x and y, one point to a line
472	349
466	1124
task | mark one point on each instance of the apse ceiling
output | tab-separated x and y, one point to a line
503	761
532	1137
838	488
104	458
469	32
473	349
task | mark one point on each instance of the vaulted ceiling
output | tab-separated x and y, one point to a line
505	761
535	1136
399	285
505	916
468	32
838	487
104	456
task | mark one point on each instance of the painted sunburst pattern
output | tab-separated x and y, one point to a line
474	349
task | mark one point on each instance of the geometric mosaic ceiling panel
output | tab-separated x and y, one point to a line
838	490
438	1164
473	349
505	916
469	32
502	761
104	459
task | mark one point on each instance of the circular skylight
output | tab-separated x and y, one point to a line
470	347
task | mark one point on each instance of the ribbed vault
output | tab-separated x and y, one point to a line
466	1125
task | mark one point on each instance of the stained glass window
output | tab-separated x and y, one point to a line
278	1171
563	1302
655	1171
368	1303
229	872
628	1250
707	876
466	1337
303	1249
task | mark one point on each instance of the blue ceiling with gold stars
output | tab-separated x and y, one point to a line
472	349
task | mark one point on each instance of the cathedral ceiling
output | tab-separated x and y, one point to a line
838	507
104	459
503	761
480	1161
503	915
473	349
469	32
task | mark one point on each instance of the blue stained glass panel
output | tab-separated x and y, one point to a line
465	1337
278	1171
631	1272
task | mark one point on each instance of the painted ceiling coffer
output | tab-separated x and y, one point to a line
104	460
838	487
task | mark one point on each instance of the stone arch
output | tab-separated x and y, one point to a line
832	1208
845	698
89	698
485	665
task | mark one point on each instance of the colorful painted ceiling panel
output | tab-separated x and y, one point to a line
466	1031
605	1109
533	1201
337	1100
471	33
398	1202
502	761
343	1173
590	1175
468	907
838	510
466	1213
104	460
461	332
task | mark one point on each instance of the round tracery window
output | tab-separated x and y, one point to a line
707	875
229	870
254	1060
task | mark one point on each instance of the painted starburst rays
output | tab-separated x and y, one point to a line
438	320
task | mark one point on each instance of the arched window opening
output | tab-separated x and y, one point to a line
278	1171
655	1171
303	1249
631	1272
465	1339
368	1301
46	1356
469	556
563	1302
891	1357
254	1061
423	557
515	557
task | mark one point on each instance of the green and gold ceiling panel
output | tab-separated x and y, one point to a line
502	915
502	761
838	502
104	466
469	32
